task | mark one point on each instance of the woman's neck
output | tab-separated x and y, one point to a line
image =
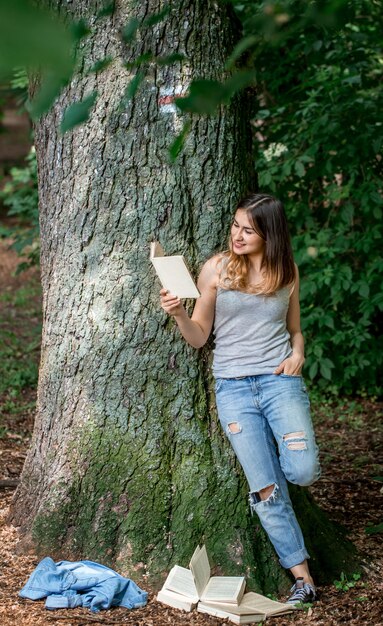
255	265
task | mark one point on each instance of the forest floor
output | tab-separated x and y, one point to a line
350	434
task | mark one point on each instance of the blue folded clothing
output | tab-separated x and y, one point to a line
68	584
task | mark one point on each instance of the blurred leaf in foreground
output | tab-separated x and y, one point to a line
32	37
77	113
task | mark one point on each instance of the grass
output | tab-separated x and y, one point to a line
20	335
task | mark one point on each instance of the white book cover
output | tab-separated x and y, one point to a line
176	600
232	617
173	273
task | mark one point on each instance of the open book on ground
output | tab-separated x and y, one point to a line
253	608
173	273
183	587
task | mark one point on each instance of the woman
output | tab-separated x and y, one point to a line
251	295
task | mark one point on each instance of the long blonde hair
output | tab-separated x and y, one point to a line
268	218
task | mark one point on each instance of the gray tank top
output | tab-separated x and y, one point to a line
250	333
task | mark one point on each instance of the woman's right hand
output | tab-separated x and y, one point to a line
171	304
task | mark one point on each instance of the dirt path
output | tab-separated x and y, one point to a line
350	434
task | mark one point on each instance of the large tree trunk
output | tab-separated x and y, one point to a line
127	463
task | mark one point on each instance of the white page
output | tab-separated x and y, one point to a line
263	604
199	565
224	589
181	581
204	607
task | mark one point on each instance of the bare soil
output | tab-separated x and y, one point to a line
350	435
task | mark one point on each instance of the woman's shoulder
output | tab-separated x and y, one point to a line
218	260
212	268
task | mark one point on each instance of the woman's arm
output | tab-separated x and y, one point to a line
293	365
196	330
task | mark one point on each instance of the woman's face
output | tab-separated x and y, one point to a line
244	238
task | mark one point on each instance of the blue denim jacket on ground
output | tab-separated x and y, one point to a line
68	584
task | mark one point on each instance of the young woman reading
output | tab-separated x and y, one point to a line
250	295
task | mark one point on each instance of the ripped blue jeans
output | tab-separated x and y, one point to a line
267	420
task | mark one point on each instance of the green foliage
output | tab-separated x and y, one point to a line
20	194
132	88
346	582
99	66
179	141
374	530
107	10
78	112
30	37
319	147
20	331
205	96
19	79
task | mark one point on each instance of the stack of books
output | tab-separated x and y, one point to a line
221	596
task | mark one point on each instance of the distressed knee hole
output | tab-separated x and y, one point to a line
234	428
267	495
292	443
266	492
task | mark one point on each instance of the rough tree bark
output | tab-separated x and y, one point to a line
127	463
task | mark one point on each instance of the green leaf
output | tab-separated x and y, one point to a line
179	142
364	290
31	37
130	30
205	96
244	44
313	370
373	530
77	113
300	169
132	88
146	57
170	58
239	81
101	65
51	86
325	369
108	9
154	19
80	30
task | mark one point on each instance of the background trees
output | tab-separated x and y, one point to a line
319	145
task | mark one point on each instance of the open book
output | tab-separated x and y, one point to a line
173	273
183	587
253	608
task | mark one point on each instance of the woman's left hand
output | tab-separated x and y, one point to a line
291	366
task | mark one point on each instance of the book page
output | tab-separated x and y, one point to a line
256	601
253	604
236	618
199	565
181	581
224	589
